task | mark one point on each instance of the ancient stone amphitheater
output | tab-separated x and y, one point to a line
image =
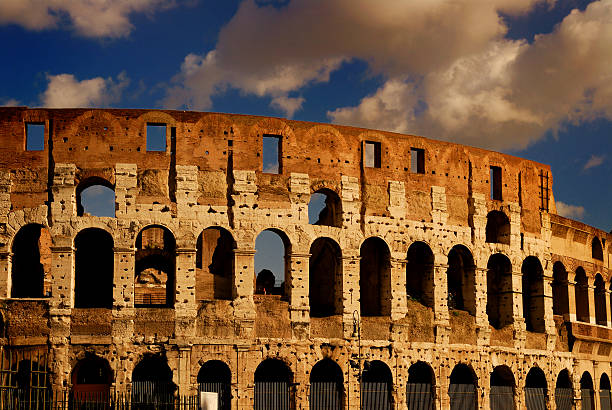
436	275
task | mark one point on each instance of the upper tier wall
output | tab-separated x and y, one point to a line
96	140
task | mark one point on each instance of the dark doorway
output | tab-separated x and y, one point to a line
376	386
94	269
533	294
272	386
536	389
420	389
374	278
419	273
587	393
155	266
216	377
31	262
152	386
560	290
91	381
502	386
564	392
326	386
461	280
325	283
215	264
499	291
462	388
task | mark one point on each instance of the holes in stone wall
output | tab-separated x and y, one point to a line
31	262
94	266
215	264
155	268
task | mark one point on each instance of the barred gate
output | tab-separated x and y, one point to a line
502	398
535	398
604	399
564	398
222	390
272	396
24	379
587	399
462	396
375	396
419	396
148	393
325	396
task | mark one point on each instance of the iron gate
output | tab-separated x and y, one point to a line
325	396
419	396
462	396
564	398
375	396
272	396
587	399
24	379
604	399
223	391
535	398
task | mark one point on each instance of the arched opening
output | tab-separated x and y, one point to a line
30	383
375	278
604	392
91	381
587	394
596	249
419	273
536	394
155	266
420	389
564	392
376	386
326	386
533	294
461	280
152	383
94	265
271	259
502	388
95	196
215	377
582	296
272	385
31	262
601	315
325	278
498	228
215	264
499	291
462	388
324	208
560	290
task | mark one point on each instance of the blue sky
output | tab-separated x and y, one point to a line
526	77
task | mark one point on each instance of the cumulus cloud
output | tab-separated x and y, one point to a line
569	211
89	18
449	71
594	161
11	102
65	91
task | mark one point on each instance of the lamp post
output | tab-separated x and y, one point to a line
357	334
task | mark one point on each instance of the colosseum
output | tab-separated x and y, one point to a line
435	275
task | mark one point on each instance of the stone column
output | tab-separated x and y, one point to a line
517	310
440	305
297	286
549	321
63	206
399	306
185	307
123	280
5	274
591	290
571	298
126	189
482	319
184	371
242	291
351	291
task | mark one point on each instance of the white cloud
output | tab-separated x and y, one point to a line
569	211
65	91
11	102
594	161
89	18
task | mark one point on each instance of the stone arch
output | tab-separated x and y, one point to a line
273	379
536	389
215	376
326	385
375	277
325	278
215	264
499	291
31	262
533	294
462	387
94	264
155	267
272	274
152	381
604	392
420	273
582	295
498	228
91	379
560	289
420	389
596	249
461	279
502	387
325	208
564	392
376	385
601	314
96	186
587	392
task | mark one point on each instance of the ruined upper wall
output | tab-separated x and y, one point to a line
96	140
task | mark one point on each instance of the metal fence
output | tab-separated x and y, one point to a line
272	396
419	396
604	399
587	399
462	396
564	398
375	396
535	398
325	396
502	398
222	389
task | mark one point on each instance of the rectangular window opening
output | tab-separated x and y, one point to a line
417	160
156	137
371	154
544	191
496	183
35	136
271	154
